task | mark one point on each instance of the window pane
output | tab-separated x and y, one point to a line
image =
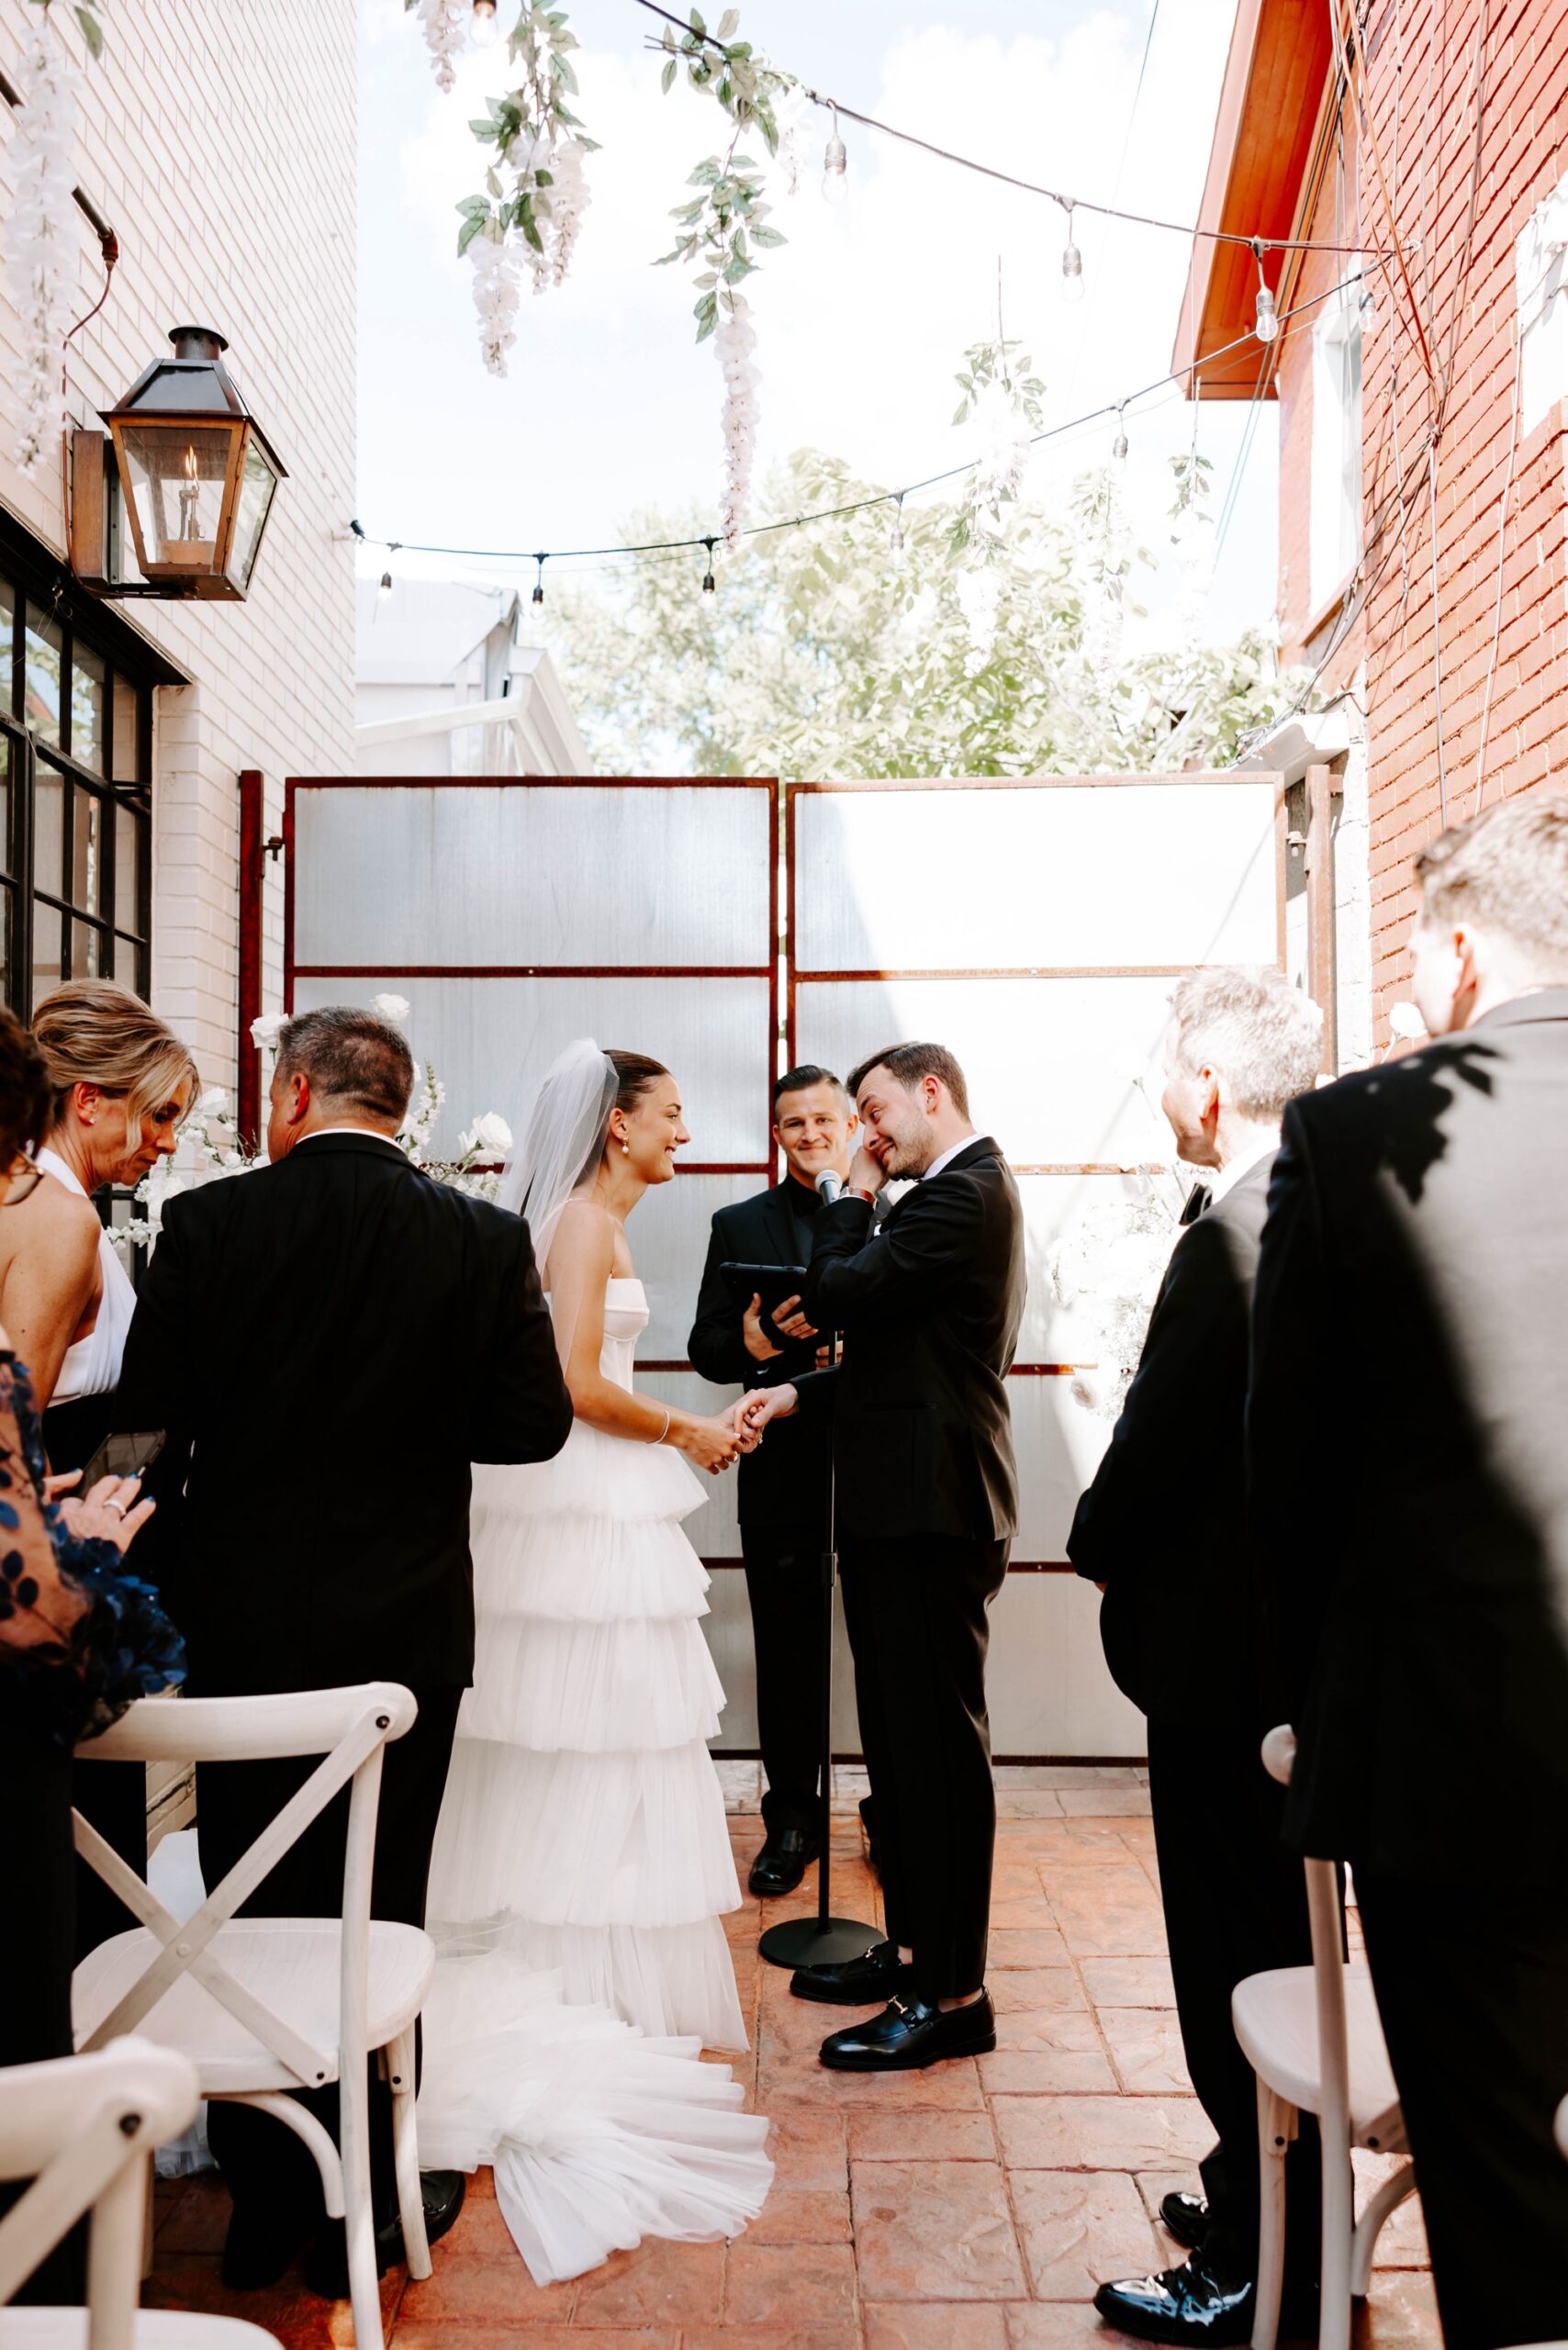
48	970
125	962
130	834
128	733
49	831
86	851
89	683
86	948
7	643
45	654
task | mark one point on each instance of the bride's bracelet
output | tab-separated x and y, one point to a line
665	1430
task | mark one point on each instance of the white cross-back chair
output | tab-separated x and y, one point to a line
262	2006
83	2130
1312	2036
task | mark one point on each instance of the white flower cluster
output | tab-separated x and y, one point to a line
445	24
1004	431
569	199
495	298
735	339
489	1136
792	112
266	1031
41	244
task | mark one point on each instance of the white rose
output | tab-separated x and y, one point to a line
391	1007
265	1031
212	1103
1406	1022
487	1137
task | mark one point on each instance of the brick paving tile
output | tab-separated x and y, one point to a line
1129	1982
791	2073
791	2284
1145	2048
922	2137
659	2284
1100	2132
1105	1802
1039	1945
802	2215
935	2231
808	2148
1077	1842
935	2325
479	2278
1111	1911
1061	2326
1079	2228
1014	1990
1040	2072
842	2336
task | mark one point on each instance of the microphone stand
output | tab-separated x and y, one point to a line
824	1940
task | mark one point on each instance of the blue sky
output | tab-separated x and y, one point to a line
862	317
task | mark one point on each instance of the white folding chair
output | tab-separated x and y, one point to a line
1312	2036
83	2129
262	2006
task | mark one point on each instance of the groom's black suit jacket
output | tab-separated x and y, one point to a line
930	1308
330	1341
1163	1524
1407	1437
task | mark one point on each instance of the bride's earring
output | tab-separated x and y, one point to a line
625	1150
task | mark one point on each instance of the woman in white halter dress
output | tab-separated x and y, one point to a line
582	1864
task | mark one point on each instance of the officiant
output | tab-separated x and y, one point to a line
782	1485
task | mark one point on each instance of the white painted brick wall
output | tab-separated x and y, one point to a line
218	138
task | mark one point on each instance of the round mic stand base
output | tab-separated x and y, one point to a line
816	1942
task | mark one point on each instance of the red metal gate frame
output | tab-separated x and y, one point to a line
769	970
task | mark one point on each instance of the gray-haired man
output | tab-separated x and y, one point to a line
1162	1530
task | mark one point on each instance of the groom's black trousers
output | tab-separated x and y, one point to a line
916	1614
263	2163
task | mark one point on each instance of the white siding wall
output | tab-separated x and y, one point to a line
218	138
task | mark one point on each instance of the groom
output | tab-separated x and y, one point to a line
330	1341
929	1307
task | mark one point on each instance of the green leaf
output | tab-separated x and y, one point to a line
667	76
92	31
698	27
761	234
737	269
729	23
469	230
472	204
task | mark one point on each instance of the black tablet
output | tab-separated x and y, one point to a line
772	1283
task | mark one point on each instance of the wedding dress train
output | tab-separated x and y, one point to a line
583	1863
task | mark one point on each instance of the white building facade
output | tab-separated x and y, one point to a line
444	688
218	144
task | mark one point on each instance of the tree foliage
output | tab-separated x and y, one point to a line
827	653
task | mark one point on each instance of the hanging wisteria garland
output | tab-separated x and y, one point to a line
536	191
41	242
1007	403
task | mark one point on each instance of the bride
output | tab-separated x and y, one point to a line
582	1864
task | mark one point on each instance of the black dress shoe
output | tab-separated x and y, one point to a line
878	1973
782	1862
326	2262
1186	2217
1184	2304
910	2033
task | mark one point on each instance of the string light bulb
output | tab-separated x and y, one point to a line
485	28
895	536
710	585
1267	322
385	588
1071	263
1119	445
835	167
538	594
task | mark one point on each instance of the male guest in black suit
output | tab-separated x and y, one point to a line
1407	1434
1162	1531
783	1485
927	1504
330	1341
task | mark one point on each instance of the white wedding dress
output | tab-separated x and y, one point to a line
582	1865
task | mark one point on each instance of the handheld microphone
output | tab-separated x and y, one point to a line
828	1184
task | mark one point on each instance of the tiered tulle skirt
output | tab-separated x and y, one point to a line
581	1869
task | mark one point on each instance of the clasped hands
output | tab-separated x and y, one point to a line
748	1417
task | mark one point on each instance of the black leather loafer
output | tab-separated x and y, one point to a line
1184	2304
782	1862
326	2262
910	2033
1186	2217
878	1974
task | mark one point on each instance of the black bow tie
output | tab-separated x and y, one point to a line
1200	1199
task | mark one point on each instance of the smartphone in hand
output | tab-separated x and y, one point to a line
123	1456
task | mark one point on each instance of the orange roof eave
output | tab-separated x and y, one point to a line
1280	55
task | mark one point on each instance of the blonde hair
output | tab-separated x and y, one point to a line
92	1033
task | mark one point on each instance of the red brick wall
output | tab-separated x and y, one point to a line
1421	87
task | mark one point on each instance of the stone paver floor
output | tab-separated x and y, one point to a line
972	2207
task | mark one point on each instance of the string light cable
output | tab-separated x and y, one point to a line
894	497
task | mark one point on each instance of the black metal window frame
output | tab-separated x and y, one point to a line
68	820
